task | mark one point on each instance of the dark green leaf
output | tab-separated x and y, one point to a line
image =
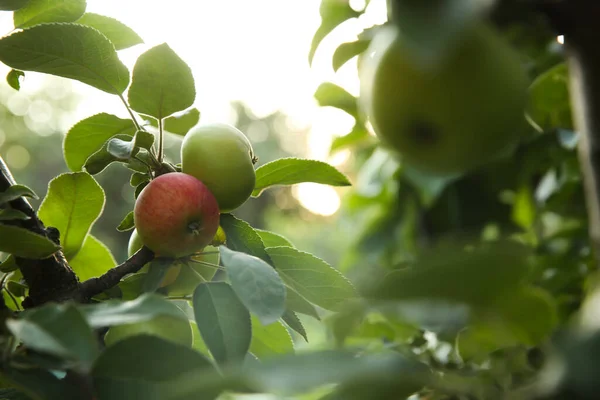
12	5
13	394
358	135
270	340
7	214
180	124
312	277
289	171
92	260
9	265
549	103
121	150
223	321
16	191
127	223
41	11
256	283
23	243
272	239
333	13
144	139
89	135
116	312
147	367
292	320
473	276
295	302
329	94
13	78
101	159
117	32
39	384
57	329
139	188
68	50
162	83
347	51
240	236
157	270
73	203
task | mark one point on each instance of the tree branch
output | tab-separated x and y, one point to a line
112	277
50	279
581	44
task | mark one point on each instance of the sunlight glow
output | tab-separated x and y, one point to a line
560	39
255	52
318	199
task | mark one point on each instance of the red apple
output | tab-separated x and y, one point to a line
176	215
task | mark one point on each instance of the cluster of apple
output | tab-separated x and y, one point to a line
177	213
448	110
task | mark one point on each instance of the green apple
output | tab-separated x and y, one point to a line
176	215
449	115
135	243
221	156
195	272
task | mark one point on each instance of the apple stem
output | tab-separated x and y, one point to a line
160	140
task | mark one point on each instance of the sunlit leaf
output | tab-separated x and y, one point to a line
292	320
117	32
11	5
270	340
92	260
272	239
549	103
43	11
333	13
89	135
312	277
13	78
181	123
289	171
329	94
162	83
14	192
73	203
240	236
102	158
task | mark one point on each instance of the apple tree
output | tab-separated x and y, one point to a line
472	273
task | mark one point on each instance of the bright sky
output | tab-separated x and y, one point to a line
253	51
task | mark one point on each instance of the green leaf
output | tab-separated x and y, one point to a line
23	243
16	191
272	239
57	329
312	277
139	188
147	367
42	11
121	150
295	302
270	340
13	394
357	135
242	237
256	283
73	203
13	78
162	83
92	260
116	312
117	32
289	171
329	94
39	383
223	321
101	159
144	139
89	135
7	214
9	265
12	5
472	276
346	51
333	13
292	320
68	50
127	223
180	124
549	103
157	269
138	178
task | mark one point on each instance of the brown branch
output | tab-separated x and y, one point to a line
112	277
50	279
581	43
